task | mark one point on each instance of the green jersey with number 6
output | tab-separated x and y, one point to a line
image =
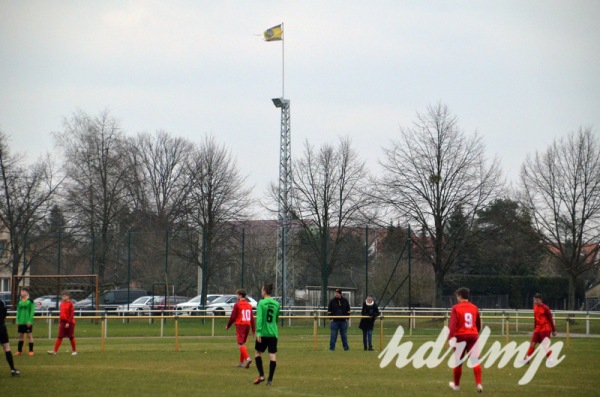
267	314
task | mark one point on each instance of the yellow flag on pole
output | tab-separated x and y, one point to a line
273	34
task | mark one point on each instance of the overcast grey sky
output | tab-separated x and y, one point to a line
521	73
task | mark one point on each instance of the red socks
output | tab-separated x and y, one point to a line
477	373
457	374
243	354
59	341
530	351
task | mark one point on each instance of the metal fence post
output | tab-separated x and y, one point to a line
49	326
102	332
381	332
176	333
507	327
315	326
587	325
568	332
106	325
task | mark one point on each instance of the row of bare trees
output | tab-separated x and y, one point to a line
435	177
438	178
112	184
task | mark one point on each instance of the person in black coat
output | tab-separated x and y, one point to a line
340	308
370	309
4	339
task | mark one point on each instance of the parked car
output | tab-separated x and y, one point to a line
85	304
111	299
141	305
6	296
49	302
159	304
290	300
224	305
191	307
46	302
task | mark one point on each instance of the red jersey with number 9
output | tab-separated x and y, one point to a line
464	320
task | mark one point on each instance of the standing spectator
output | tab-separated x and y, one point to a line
66	327
465	324
25	313
543	326
370	309
267	314
339	306
4	339
242	316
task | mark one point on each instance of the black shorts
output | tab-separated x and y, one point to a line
24	328
266	342
3	334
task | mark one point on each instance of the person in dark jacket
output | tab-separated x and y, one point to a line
339	306
4	340
370	309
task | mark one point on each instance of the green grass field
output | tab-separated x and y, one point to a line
136	361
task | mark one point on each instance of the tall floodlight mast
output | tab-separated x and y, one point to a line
284	270
284	274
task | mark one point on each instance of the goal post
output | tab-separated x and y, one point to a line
79	286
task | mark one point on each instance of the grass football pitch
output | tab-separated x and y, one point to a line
135	361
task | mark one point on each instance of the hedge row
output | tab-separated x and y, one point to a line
520	289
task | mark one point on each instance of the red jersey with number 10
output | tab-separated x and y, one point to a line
464	320
242	314
543	318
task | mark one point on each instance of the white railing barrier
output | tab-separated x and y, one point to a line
319	317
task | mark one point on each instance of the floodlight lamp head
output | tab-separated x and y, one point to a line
280	102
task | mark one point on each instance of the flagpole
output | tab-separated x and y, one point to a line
276	33
282	62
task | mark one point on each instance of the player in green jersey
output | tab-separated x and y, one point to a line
267	314
25	313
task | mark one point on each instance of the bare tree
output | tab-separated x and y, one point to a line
160	186
218	198
25	200
160	179
561	186
328	197
433	171
97	195
260	254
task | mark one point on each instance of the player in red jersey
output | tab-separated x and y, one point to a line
66	327
543	326
465	324
242	316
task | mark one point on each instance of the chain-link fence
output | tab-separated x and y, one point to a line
363	260
237	255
